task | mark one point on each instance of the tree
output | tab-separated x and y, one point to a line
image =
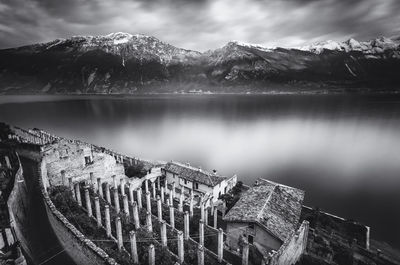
137	171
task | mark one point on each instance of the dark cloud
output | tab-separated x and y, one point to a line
200	24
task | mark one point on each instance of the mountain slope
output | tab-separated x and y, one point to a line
125	63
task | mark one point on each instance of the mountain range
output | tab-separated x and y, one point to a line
123	63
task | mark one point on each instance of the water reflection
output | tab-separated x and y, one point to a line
343	150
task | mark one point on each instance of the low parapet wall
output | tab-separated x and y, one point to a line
81	249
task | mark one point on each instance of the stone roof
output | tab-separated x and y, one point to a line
194	174
275	207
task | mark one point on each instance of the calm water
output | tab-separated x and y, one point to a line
344	151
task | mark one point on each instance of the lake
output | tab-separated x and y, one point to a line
343	150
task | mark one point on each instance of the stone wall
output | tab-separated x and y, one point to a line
292	250
81	249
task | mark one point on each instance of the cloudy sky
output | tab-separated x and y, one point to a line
200	24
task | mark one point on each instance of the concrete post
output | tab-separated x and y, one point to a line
62	177
116	201
180	206
97	209
126	205
186	225
108	196
148	202
158	183
148	222
135	213
173	190
245	253
78	194
152	260
191	204
181	251
99	188
163	233
223	208
134	254
215	217
200	255
115	181
108	221
206	215
220	244
92	182
88	203
122	186
201	232
153	188
171	216
139	198
119	232
159	208
131	198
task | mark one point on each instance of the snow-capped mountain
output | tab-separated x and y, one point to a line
126	63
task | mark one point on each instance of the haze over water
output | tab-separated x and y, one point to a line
344	151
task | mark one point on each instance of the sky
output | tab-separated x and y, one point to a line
200	24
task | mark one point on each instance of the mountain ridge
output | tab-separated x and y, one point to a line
126	63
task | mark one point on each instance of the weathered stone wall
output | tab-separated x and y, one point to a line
82	250
291	251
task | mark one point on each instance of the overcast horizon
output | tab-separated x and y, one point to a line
200	25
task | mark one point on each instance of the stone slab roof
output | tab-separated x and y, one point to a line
194	174
275	207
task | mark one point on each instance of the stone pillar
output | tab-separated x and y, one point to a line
202	210
88	203
200	255
173	190
78	194
108	196
92	182
119	232
62	177
162	195
148	202
191	204
152	259
115	182
223	208
148	222
201	232
97	209
146	185
181	251
245	253
171	216
116	201
215	217
108	221
71	187
153	188
180	207
122	186
163	233
8	164
220	244
186	225
139	198
212	206
158	183
99	188
171	198
126	205
206	215
135	213
131	198
159	208
134	254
